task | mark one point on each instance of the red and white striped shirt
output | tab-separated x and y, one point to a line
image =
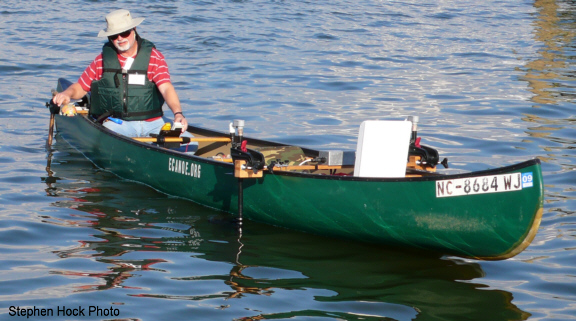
157	70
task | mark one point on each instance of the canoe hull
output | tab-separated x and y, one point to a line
402	213
405	211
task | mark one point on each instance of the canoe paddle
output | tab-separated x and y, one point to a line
54	109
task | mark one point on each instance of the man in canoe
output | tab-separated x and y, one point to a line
129	81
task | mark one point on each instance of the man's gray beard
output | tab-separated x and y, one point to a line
122	48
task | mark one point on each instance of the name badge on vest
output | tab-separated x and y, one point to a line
136	79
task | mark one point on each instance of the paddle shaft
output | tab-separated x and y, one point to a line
51	125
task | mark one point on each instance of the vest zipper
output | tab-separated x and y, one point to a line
125	91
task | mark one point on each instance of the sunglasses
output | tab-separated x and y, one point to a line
124	34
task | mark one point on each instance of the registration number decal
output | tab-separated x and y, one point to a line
483	184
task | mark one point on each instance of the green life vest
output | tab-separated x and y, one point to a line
124	99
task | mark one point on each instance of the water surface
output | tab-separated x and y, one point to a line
492	82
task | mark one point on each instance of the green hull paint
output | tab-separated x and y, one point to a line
403	212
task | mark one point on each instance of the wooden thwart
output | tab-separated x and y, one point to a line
310	167
241	172
413	169
182	139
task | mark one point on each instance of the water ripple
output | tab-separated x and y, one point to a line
491	81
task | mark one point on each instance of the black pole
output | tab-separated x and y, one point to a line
240	203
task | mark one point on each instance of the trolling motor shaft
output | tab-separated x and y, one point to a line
414	120
238	126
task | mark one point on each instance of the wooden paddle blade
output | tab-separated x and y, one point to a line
50	130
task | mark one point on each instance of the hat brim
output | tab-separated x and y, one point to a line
135	22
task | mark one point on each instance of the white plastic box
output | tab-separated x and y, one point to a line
382	149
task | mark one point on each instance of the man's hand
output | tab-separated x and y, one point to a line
61	99
179	118
75	91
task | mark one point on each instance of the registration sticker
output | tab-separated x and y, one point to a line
483	184
527	179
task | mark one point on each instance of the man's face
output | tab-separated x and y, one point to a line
124	40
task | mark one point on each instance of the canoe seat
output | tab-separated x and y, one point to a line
293	154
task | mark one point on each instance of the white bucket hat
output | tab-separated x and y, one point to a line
119	21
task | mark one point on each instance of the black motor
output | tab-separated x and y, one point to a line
428	155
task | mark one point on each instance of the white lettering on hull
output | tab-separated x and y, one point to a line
184	168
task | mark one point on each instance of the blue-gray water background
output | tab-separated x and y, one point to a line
492	81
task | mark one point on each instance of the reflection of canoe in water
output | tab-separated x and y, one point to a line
492	214
313	276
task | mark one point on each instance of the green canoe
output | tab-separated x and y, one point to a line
491	215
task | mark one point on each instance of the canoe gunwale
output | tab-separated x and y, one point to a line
431	177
